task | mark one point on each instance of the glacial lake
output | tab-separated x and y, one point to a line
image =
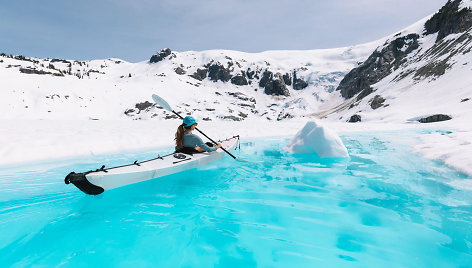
385	207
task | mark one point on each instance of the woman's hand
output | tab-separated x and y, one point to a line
218	145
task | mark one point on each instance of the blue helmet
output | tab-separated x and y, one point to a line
189	120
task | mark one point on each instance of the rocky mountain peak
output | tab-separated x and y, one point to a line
401	50
451	18
160	55
378	66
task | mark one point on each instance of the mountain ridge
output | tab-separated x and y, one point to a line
364	81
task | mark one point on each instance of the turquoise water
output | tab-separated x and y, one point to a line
386	207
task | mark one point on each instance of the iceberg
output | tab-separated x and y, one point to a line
317	139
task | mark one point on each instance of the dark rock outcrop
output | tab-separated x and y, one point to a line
200	74
34	71
273	84
232	118
143	105
276	87
239	80
377	102
283	116
449	20
355	118
138	108
287	79
218	72
435	118
267	77
298	83
160	56
438	58
241	96
378	66
129	112
250	73
180	71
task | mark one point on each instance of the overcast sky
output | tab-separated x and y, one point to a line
135	29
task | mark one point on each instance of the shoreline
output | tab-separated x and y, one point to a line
43	141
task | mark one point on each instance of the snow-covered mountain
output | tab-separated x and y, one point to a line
222	84
421	71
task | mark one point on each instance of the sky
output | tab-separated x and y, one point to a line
133	30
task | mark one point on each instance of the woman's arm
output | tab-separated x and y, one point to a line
199	142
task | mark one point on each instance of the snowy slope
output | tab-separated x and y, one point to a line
433	78
106	89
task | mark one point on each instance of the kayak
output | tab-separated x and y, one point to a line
95	182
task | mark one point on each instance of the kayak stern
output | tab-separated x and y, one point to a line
81	182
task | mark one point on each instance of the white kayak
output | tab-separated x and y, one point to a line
97	181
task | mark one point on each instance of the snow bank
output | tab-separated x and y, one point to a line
315	138
452	148
30	141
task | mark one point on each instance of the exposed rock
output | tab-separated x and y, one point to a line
62	61
247	105
179	71
273	85
218	72
243	115
200	74
435	118
143	105
160	56
172	116
287	79
438	57
283	116
298	83
239	80
250	74
355	118
266	78
240	96
377	102
364	93
129	112
449	20
232	118
276	87
40	72
378	66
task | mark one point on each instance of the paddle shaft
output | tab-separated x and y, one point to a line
207	136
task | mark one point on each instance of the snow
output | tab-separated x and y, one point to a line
452	148
317	139
27	141
46	117
465	4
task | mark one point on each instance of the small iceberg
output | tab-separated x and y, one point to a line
317	139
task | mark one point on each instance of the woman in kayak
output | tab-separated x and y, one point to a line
187	142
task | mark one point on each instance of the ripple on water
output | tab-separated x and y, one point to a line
383	207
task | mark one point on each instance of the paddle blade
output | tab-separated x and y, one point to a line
161	102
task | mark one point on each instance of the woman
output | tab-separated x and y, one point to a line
189	143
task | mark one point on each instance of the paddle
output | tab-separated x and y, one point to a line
161	102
